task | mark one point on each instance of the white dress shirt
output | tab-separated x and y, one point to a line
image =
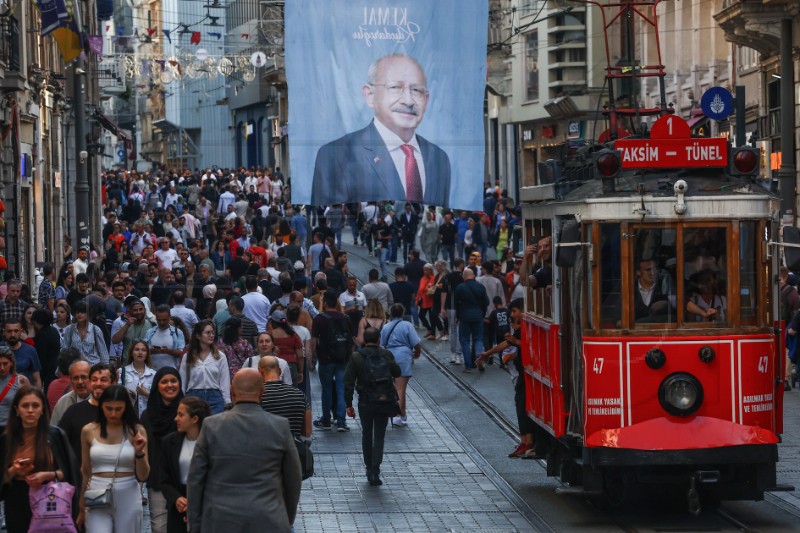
393	144
210	373
188	316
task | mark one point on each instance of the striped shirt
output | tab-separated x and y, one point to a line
287	401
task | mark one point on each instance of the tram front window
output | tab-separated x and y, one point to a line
654	299
705	275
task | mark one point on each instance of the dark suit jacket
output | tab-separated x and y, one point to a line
358	167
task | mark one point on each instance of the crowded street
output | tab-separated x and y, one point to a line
494	266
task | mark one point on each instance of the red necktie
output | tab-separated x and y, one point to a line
413	179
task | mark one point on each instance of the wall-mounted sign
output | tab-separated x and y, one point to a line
575	130
548	132
528	136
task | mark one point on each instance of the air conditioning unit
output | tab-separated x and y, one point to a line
5	116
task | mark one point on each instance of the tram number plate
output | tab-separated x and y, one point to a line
597	366
763	364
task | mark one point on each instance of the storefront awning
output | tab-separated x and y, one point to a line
112	127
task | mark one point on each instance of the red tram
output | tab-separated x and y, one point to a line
655	356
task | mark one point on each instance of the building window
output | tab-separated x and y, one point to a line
532	66
746	57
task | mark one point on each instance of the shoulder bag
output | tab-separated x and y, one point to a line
103	498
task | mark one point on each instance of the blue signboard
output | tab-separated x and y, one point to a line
717	103
387	101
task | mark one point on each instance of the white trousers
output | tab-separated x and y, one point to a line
125	513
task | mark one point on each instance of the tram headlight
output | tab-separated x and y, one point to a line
680	394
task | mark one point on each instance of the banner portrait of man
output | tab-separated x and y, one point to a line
383	104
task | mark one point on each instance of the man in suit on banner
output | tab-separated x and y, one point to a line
387	159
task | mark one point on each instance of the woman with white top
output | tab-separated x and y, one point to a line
176	455
137	377
204	369
114	457
265	345
86	337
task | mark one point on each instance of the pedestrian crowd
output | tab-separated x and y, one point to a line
142	367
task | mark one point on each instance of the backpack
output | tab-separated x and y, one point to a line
323	255
378	387
338	338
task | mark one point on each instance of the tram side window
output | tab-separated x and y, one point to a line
610	276
748	246
540	272
705	275
654	290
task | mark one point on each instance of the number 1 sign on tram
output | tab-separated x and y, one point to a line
671	146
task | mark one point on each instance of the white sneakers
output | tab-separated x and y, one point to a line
399	421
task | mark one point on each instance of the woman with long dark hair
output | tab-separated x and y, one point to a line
114	457
28	331
159	421
34	453
231	343
204	370
63	318
65	282
11	380
176	454
221	257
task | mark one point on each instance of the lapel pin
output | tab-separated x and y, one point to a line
376	160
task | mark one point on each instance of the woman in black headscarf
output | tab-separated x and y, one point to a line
159	421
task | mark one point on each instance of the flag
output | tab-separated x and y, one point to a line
53	13
166	34
215	34
195	37
96	44
68	35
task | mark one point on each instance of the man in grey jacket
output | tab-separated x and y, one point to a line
245	472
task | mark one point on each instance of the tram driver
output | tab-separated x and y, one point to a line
654	299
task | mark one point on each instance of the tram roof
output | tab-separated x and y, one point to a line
709	194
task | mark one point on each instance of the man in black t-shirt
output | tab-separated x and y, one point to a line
451	281
533	443
402	292
447	239
101	377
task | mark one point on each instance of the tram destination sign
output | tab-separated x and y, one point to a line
671	146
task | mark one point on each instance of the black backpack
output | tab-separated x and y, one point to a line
323	255
378	387
338	338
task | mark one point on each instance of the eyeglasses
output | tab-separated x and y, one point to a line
417	92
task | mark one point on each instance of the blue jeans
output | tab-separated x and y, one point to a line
213	397
469	332
384	258
354	228
415	312
337	236
327	372
393	248
448	253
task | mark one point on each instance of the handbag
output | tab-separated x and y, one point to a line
51	508
306	456
103	498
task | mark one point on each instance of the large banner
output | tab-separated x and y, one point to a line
386	100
